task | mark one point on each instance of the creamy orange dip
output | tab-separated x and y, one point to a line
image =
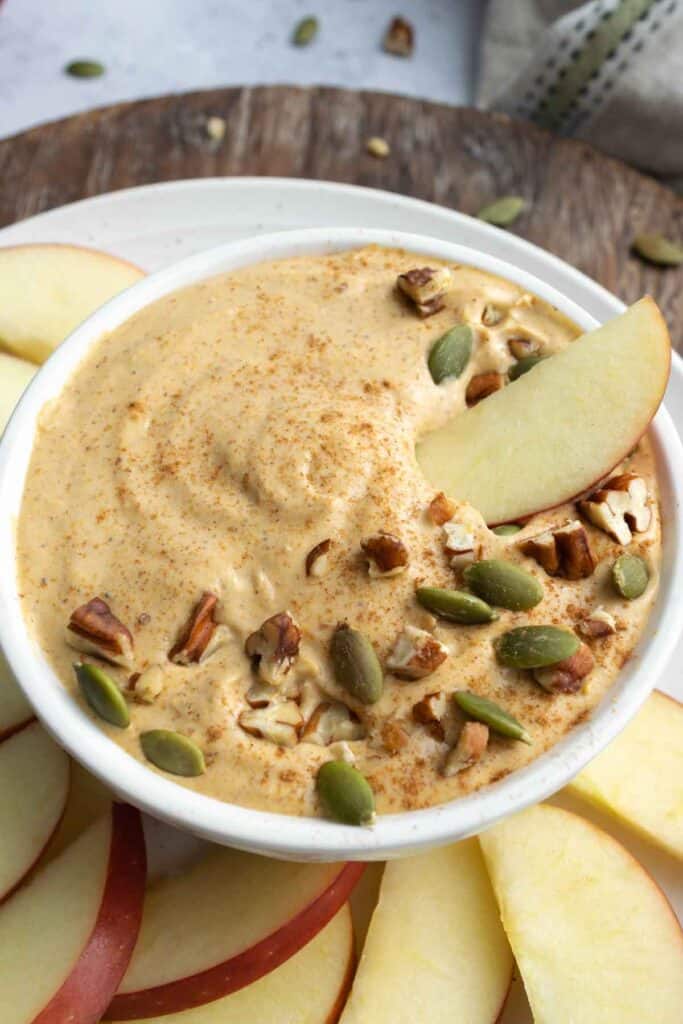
213	440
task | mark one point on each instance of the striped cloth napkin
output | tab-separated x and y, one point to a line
607	71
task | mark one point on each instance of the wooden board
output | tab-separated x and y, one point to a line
584	206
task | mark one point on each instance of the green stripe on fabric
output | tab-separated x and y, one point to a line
606	38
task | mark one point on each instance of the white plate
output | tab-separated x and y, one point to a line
157	224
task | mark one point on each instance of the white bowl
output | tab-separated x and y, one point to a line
285	835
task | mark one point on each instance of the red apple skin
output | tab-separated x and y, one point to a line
85	994
36	860
243	969
12	730
344	991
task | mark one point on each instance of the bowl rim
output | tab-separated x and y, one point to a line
269	832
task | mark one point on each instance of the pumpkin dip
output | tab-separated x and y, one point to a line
227	486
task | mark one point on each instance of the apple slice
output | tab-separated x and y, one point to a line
88	800
310	988
363	901
15	710
639	777
593	935
14	376
34	782
223	924
435	950
67	936
48	290
558	430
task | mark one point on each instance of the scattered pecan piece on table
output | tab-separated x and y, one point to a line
94	629
399	38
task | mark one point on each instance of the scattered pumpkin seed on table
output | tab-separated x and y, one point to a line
102	694
502	212
305	31
491	714
172	752
535	646
503	584
450	354
456	606
630	576
659	250
356	666
345	794
84	69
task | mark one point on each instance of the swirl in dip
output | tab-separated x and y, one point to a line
191	474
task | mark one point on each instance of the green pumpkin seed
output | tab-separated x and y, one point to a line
491	714
305	31
630	576
84	69
503	584
523	366
502	212
506	529
172	752
356	666
658	249
536	646
102	694
450	355
345	794
455	605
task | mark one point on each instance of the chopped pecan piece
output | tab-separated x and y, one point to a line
470	748
387	555
274	647
459	544
426	287
562	552
568	675
416	654
430	711
399	38
260	694
278	723
394	736
94	629
146	686
332	722
521	347
198	631
483	385
441	509
492	315
599	623
620	507
341	751
317	559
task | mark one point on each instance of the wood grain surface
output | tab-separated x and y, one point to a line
583	206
